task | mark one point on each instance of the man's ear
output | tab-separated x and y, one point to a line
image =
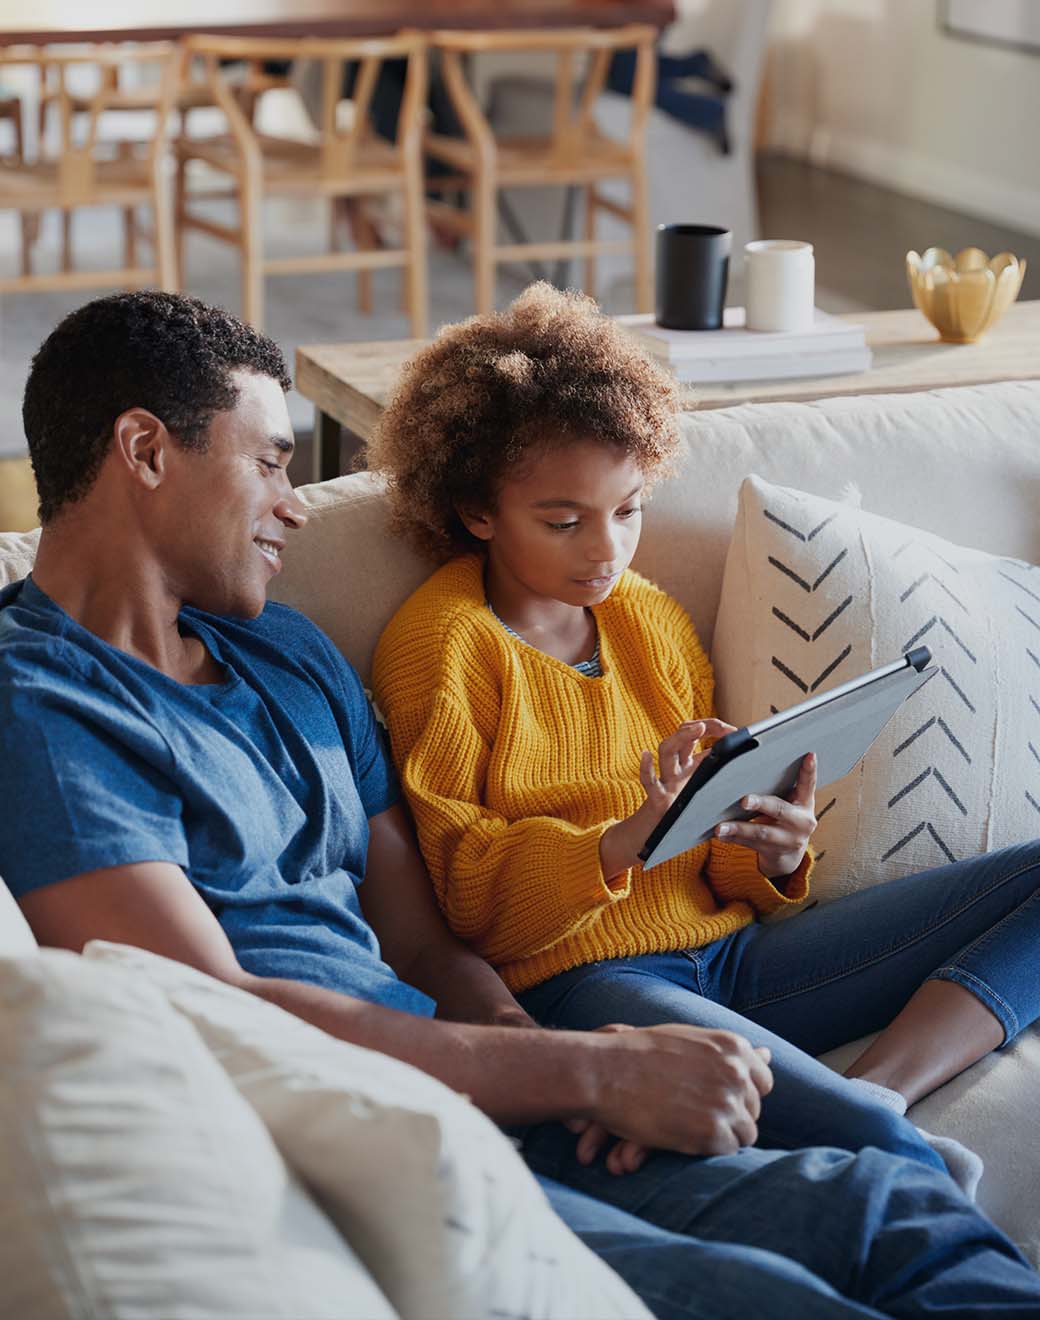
141	443
479	525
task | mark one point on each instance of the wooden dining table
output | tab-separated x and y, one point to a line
38	22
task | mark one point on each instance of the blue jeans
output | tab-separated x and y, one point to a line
767	1235
827	976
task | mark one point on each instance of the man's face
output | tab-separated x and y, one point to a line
227	510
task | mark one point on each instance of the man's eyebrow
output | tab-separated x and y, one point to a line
576	504
280	443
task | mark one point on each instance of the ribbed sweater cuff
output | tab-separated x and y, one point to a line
735	875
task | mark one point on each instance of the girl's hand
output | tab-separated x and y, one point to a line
781	830
677	758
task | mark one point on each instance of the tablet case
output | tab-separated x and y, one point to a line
763	758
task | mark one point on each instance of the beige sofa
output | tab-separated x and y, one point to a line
960	464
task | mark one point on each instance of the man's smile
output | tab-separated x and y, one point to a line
271	551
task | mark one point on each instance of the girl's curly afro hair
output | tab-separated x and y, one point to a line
490	391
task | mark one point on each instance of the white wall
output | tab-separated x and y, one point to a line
876	88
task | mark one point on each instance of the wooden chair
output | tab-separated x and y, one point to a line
11	110
343	164
576	152
85	170
249	86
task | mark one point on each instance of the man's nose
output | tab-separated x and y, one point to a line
290	511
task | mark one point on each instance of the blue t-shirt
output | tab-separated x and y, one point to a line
259	786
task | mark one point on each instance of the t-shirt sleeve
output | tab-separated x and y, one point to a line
366	745
83	786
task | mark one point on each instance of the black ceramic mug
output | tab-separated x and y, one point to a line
692	270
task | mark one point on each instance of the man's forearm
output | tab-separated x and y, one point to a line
513	1076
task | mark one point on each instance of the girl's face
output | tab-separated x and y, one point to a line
565	526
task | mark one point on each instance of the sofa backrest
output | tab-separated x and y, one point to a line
963	463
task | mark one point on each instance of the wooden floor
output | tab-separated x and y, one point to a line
861	233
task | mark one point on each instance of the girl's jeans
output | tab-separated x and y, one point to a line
829	975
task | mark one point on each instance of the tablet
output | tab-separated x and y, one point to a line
839	726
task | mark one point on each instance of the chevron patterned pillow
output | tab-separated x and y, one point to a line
816	592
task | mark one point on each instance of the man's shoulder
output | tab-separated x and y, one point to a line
33	640
275	620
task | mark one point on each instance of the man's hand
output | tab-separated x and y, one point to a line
677	758
781	830
690	1089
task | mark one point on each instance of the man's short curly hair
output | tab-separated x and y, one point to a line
492	390
161	351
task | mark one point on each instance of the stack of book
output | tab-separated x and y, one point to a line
829	347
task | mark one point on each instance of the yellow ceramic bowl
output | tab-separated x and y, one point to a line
963	296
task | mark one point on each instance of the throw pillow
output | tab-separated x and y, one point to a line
816	592
17	552
134	1179
15	935
435	1200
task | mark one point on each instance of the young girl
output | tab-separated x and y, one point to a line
524	685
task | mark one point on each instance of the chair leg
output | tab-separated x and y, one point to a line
366	239
590	234
167	265
414	282
336	217
129	238
641	237
29	222
25	218
66	240
251	239
180	215
484	233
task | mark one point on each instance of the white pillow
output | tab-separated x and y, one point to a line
815	593
15	935
136	1180
17	553
432	1196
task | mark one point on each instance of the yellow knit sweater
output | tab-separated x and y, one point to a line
514	764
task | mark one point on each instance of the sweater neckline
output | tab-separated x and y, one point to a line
479	600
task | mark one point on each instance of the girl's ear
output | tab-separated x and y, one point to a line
477	524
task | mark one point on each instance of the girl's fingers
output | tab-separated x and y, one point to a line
757	835
804	794
714	728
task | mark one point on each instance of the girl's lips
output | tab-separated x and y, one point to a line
598	581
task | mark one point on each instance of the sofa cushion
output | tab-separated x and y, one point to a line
817	592
136	1181
432	1196
991	1109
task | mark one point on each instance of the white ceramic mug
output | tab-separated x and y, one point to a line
780	276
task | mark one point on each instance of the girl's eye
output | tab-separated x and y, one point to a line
562	527
627	513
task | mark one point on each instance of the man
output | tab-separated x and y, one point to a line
191	771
